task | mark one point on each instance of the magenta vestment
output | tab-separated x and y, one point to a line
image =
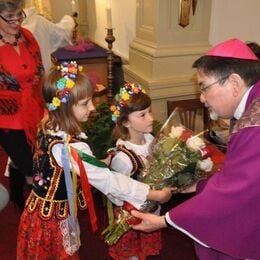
225	213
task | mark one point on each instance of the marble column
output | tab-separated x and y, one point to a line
161	55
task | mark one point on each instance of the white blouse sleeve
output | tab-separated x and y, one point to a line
122	163
108	182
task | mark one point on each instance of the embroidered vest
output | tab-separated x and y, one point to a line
49	194
137	162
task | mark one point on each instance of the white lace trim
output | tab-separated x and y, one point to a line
71	241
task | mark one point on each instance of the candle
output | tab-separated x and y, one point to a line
40	6
109	16
73	6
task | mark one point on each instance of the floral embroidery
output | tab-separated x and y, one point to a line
7	80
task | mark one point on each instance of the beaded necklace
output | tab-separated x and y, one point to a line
15	43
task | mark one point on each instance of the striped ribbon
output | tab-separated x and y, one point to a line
85	188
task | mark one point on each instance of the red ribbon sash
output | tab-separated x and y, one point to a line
86	189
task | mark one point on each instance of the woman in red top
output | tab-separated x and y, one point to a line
21	106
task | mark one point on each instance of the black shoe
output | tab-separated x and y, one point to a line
16	184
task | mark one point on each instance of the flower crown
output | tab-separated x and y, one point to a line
123	96
65	84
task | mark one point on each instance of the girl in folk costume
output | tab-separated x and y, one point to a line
21	106
134	123
64	168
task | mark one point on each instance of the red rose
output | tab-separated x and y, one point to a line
185	135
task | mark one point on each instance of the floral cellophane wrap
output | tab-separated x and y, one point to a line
179	158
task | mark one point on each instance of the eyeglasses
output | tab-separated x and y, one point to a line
204	89
19	18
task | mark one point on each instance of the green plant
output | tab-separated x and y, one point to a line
99	131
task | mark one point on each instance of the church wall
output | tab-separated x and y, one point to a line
229	18
149	64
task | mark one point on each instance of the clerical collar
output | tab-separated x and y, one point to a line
242	105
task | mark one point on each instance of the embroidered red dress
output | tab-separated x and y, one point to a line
130	160
44	231
21	105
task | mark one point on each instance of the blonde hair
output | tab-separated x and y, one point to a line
63	117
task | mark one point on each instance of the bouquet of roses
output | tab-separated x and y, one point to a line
179	159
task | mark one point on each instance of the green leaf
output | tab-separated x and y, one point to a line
99	131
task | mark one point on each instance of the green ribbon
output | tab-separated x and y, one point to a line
94	161
90	159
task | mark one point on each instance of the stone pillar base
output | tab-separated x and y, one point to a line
166	74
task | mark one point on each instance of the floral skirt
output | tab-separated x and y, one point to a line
136	243
42	239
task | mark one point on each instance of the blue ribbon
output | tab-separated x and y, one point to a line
69	186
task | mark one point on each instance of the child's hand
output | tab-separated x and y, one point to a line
161	195
166	194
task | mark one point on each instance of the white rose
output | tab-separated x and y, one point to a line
206	165
176	132
195	143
